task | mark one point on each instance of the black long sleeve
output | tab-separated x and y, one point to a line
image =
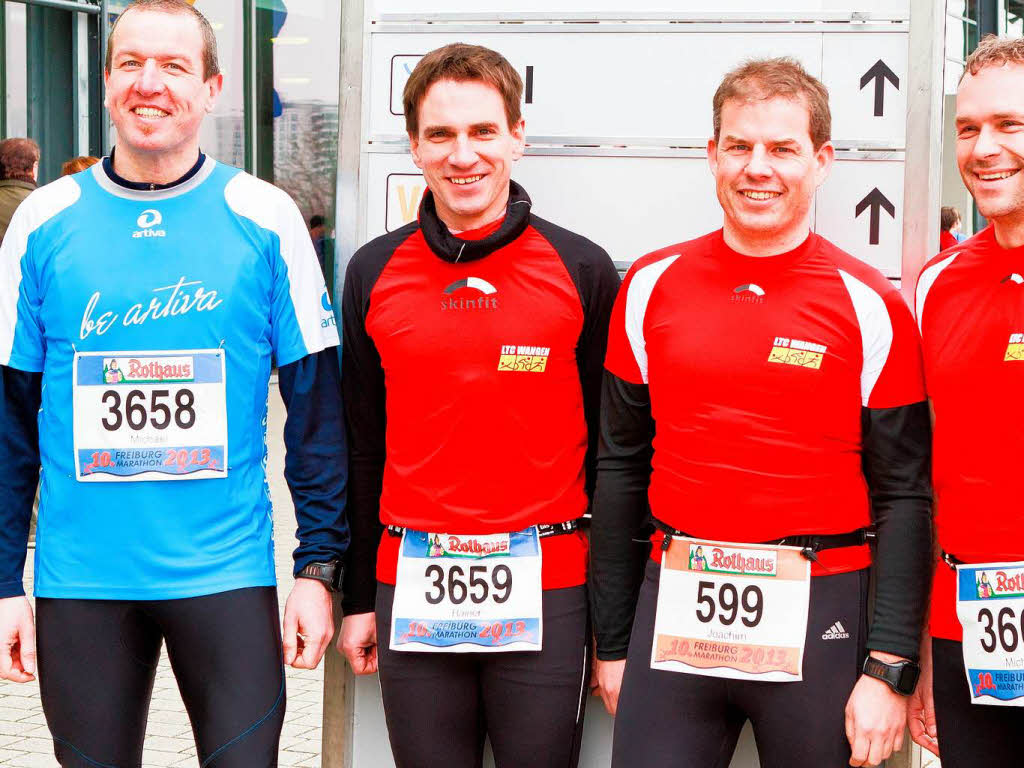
897	465
316	456
597	282
365	407
618	548
20	396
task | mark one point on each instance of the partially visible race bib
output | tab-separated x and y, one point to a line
732	610
990	606
467	593
150	415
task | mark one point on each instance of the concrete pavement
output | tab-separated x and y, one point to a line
25	740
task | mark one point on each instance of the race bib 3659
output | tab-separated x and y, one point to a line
468	593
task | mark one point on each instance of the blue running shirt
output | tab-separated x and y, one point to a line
154	317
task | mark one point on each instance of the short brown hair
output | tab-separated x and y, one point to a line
211	66
461	62
762	79
17	157
76	164
994	51
948	216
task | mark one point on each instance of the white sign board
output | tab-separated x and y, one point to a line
598	8
658	85
670	199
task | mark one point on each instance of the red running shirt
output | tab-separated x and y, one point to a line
970	306
758	369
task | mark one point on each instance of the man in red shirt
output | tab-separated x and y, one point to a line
763	400
473	354
970	308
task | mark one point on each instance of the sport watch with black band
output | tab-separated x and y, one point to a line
901	676
330	574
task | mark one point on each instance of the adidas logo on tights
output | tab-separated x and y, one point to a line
836	632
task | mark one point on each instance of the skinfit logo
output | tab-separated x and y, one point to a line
748	293
836	632
146	222
469	293
1014	277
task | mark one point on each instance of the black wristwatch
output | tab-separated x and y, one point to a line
900	676
329	573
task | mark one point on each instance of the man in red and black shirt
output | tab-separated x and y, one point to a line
474	341
970	307
763	391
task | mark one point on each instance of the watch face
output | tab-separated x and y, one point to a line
908	678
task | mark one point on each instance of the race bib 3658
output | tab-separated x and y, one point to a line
150	415
990	606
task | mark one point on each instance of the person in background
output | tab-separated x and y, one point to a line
76	164
318	236
949	223
19	162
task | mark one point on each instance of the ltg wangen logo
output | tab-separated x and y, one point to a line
469	293
147	221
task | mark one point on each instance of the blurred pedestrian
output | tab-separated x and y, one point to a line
949	227
319	238
76	164
19	163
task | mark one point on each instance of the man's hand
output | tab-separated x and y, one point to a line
607	681
308	624
875	718
358	642
17	640
921	707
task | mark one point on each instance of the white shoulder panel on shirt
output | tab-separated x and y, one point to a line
926	281
875	331
273	209
35	210
640	289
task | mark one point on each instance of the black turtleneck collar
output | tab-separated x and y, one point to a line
452	248
145	186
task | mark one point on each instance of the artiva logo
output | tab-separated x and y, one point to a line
482	296
146	222
327	318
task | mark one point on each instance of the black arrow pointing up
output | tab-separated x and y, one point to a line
879	72
876	201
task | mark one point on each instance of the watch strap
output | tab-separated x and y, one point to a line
901	676
330	574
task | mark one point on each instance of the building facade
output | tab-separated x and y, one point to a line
277	116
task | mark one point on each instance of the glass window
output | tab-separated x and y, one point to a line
306	39
1015	18
16	70
223	133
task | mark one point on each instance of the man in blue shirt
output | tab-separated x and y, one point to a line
143	303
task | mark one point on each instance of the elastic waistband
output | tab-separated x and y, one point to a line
809	545
951	560
543	529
